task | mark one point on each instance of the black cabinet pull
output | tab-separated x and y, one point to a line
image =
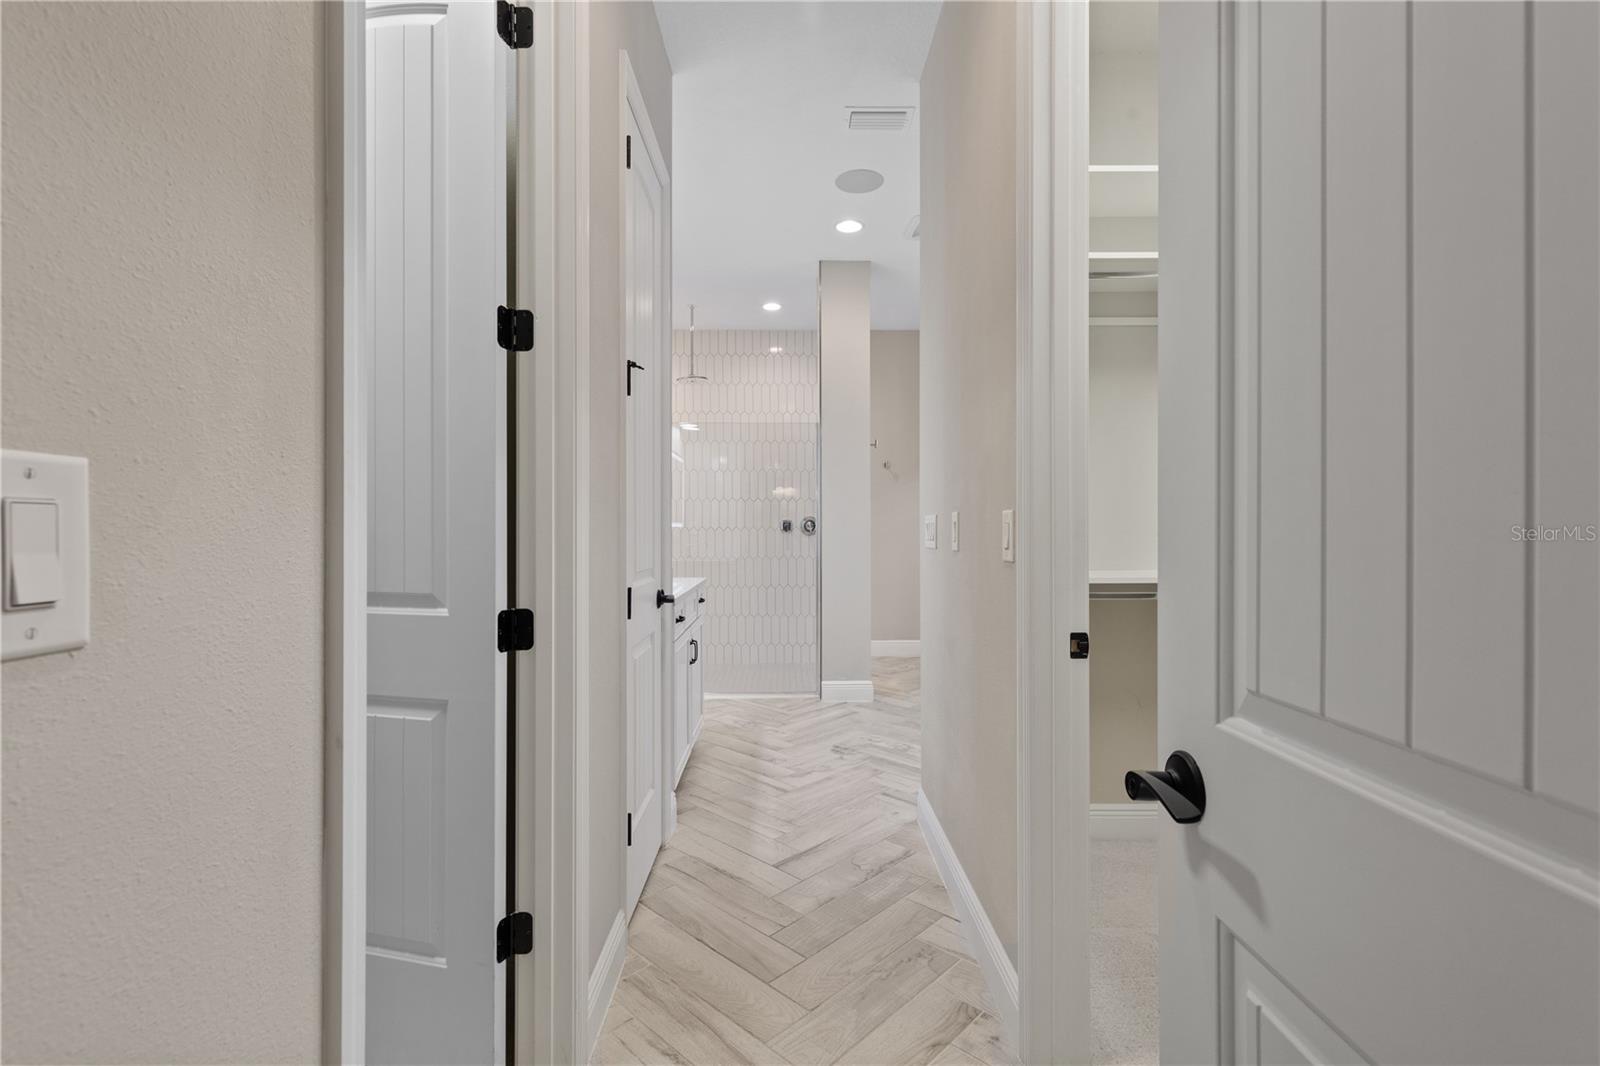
702	599
678	619
1179	788
694	646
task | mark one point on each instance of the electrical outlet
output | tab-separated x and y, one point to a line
1008	536
930	531
955	531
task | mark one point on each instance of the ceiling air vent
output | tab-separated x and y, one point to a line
883	119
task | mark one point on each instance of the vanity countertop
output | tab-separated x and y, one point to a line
682	586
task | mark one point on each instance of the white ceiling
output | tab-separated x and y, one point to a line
760	92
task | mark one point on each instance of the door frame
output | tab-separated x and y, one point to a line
345	417
631	104
552	549
1052	532
344	956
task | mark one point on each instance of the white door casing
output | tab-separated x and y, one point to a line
435	520
1377	359
648	661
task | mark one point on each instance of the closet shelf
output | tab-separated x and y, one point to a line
1122	577
1122	584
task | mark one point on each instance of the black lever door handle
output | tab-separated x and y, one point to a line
663	596
1179	788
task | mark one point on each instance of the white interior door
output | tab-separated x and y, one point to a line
649	627
435	720
1377	367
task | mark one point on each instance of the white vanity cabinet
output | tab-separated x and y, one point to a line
688	684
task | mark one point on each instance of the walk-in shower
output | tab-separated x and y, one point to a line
745	496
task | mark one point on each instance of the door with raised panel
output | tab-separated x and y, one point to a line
648	664
1379	575
436	255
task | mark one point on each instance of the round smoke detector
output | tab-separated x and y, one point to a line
858	180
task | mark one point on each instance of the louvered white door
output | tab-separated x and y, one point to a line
1379	383
436	254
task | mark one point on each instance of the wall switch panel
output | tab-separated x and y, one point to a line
955	531
44	553
1008	536
930	531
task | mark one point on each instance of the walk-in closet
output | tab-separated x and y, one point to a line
1124	271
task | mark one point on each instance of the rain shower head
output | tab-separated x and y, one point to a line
691	375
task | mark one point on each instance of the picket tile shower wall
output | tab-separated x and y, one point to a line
751	465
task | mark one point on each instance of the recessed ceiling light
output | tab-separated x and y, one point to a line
775	349
858	181
772	305
848	225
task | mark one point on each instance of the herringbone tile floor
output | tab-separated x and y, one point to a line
796	915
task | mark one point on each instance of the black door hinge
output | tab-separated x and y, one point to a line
632	366
627	151
1077	645
513	936
515	329
515	629
630	829
515	24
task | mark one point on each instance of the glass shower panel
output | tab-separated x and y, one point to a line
742	492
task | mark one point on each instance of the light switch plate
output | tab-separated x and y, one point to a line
955	531
1008	536
930	531
44	557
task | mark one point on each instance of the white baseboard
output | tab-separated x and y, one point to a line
847	691
903	649
999	972
1123	821
603	982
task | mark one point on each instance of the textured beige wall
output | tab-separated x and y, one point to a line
162	315
614	26
896	529
968	431
1122	695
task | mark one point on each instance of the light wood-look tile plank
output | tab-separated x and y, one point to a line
846	958
743	901
689	1025
984	1040
698	914
846	912
916	1033
862	1005
730	988
842	876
